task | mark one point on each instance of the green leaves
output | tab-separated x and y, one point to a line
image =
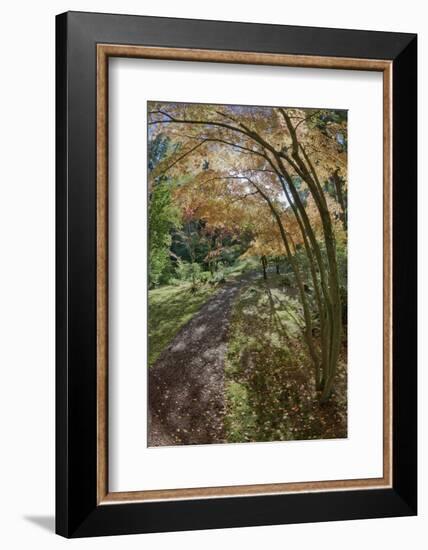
163	218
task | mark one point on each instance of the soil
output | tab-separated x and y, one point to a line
186	383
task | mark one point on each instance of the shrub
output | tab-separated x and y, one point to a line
188	271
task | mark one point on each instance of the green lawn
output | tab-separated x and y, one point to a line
170	307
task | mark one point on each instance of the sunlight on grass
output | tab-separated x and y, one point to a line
170	307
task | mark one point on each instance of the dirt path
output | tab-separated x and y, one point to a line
186	383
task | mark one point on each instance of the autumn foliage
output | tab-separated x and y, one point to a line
276	177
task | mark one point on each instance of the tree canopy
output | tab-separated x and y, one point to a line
272	178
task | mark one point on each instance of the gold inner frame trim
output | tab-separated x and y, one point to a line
104	51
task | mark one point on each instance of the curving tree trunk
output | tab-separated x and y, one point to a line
323	267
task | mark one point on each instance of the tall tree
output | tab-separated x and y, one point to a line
284	157
163	215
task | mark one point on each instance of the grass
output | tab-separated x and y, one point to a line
170	307
242	266
270	395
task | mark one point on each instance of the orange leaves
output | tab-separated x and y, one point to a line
224	159
267	239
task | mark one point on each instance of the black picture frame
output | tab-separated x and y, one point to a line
77	511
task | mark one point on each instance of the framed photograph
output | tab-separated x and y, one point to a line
236	274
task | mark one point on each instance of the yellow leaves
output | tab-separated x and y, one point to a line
221	155
335	212
267	239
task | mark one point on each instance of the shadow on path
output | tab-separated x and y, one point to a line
186	383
